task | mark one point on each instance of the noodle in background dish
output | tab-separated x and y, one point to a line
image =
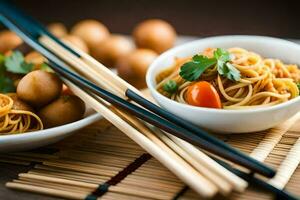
255	81
16	121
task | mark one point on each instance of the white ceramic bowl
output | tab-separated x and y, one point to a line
31	140
229	121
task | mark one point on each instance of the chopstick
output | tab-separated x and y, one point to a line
192	133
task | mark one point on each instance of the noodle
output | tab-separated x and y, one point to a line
16	121
263	82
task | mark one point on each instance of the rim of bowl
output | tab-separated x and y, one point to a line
168	53
52	131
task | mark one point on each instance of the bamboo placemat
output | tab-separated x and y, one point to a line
101	162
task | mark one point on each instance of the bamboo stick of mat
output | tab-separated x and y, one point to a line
272	138
109	81
86	188
46	191
287	167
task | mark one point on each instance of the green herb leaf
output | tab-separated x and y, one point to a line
6	85
222	55
15	63
170	86
192	70
229	71
225	68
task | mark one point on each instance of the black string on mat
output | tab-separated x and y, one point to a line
180	193
103	188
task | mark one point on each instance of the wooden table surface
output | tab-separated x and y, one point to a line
9	172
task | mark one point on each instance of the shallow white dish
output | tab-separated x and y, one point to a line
229	121
31	140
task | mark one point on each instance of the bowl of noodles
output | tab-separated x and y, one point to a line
229	84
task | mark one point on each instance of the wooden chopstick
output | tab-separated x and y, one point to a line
228	151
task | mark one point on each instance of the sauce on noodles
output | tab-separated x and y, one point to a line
261	82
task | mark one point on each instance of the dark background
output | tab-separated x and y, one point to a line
190	17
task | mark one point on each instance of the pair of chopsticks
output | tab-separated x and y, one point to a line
41	40
33	33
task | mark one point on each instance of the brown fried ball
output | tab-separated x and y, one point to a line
133	67
19	104
77	42
92	32
58	29
64	110
39	88
9	41
154	34
112	48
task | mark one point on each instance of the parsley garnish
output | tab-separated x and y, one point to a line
15	63
170	86
191	71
